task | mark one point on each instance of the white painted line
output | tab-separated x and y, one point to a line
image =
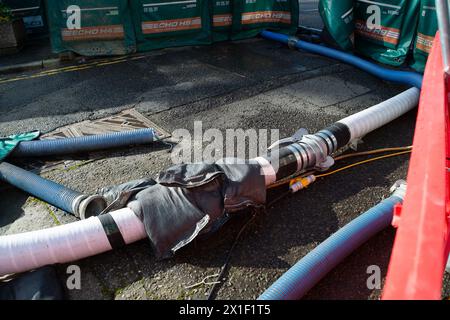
345	15
168	3
25	9
96	9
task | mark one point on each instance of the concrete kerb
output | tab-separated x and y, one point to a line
29	66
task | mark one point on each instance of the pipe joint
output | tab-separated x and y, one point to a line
320	148
292	42
331	140
399	189
85	206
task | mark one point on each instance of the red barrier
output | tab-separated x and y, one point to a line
422	242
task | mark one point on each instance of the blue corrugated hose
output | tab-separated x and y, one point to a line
44	189
304	275
404	77
74	145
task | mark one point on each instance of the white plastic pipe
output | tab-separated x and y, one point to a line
79	240
443	14
377	116
66	243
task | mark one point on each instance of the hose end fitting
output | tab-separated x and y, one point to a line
85	207
399	189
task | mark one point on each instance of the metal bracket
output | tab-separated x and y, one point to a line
296	137
325	165
399	188
354	144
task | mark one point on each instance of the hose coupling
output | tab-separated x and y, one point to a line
85	207
292	42
399	189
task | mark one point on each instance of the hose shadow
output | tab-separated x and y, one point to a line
11	202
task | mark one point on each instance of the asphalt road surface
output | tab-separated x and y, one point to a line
248	84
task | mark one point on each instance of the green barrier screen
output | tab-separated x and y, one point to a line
337	16
222	19
170	23
380	23
385	29
428	26
252	16
100	27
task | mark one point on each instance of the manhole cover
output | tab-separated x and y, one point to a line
124	121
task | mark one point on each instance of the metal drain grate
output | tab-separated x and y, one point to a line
124	121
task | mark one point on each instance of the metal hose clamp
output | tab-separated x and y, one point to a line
331	136
319	146
292	42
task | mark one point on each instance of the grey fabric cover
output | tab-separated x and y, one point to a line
189	199
111	194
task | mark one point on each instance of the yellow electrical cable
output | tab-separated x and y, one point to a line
288	179
365	153
362	162
357	154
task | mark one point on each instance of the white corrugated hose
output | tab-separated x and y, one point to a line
377	116
66	243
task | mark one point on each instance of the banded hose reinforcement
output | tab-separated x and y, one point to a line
163	24
65	146
91	28
67	243
112	231
250	17
80	205
385	29
312	151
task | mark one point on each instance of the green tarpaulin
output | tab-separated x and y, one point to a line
9	143
337	16
113	27
162	24
222	19
428	26
253	16
385	29
100	27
